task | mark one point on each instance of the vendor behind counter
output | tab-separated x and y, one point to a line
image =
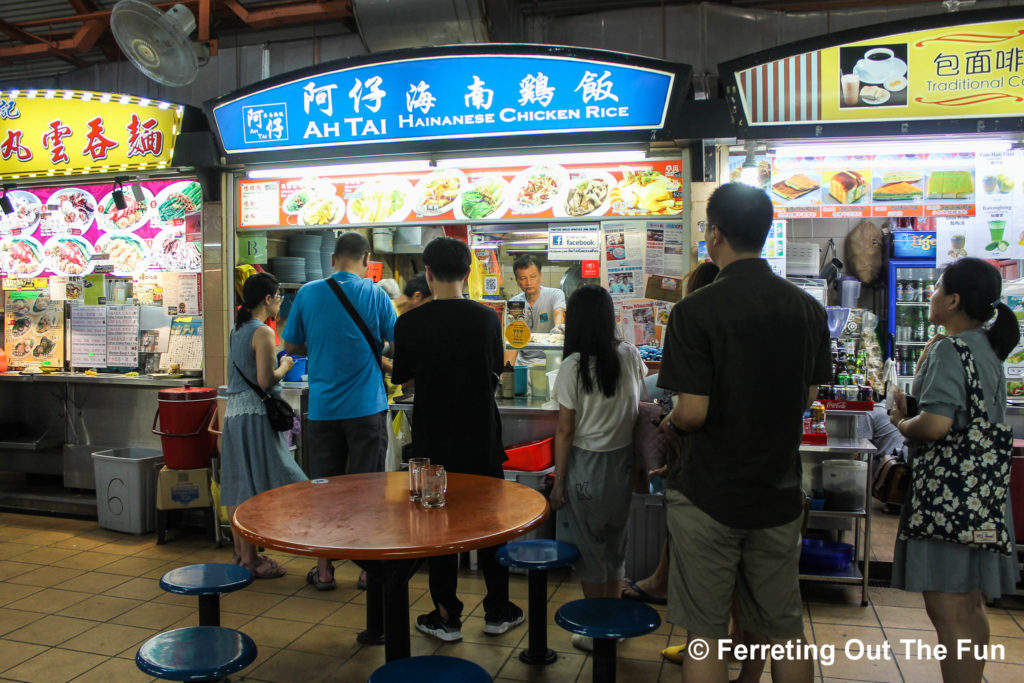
545	308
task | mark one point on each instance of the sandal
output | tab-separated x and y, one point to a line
271	571
640	595
313	578
236	559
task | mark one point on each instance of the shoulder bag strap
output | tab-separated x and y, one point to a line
255	387
975	393
338	292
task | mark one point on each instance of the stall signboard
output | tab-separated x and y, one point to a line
75	231
445	97
33	329
451	195
880	185
971	70
69	132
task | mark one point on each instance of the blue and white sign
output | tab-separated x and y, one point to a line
445	97
913	244
574	242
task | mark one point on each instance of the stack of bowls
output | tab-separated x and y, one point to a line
288	268
327	240
308	248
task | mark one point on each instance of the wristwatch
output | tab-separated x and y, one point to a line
679	431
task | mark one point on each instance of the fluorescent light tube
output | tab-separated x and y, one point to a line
342	169
530	160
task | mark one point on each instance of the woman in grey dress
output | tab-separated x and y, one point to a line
255	457
956	578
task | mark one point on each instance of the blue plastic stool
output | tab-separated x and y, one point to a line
606	620
433	668
207	581
196	653
537	556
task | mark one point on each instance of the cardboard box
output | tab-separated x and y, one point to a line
178	489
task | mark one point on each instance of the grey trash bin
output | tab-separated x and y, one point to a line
126	488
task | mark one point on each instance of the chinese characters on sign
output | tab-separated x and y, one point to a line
447	97
78	130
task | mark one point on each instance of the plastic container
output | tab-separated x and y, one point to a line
297	371
383	240
538	382
552	376
850	292
845	484
531	456
126	488
522	374
535	480
181	421
825	556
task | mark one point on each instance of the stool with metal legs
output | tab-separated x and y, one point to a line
207	581
606	620
537	556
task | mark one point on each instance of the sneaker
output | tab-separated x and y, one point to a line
433	625
585	643
496	624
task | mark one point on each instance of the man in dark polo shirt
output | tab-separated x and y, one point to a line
745	354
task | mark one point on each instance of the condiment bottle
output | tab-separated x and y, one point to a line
508	381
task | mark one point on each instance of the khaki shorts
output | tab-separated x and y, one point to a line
711	561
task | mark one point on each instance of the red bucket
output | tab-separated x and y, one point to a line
184	416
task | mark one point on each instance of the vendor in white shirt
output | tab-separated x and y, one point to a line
545	308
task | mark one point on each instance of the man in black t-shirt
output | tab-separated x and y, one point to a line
745	354
451	350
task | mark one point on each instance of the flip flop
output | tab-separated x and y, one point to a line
313	578
361	581
640	595
674	653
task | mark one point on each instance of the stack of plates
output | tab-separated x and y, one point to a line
327	241
307	247
288	268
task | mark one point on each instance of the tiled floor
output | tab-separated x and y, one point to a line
76	601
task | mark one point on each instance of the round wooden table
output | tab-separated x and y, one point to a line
369	518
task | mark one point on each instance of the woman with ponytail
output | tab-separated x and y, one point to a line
254	457
955	579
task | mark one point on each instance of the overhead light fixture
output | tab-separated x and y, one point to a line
620	156
343	169
117	194
824	149
748	172
5	201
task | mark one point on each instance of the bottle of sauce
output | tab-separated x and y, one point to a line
508	381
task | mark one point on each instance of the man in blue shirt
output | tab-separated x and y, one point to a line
347	400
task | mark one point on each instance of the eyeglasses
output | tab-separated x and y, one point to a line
278	297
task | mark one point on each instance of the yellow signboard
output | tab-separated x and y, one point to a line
517	334
965	71
67	132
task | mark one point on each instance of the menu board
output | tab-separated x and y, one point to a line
185	346
33	330
89	336
122	336
448	195
883	185
75	231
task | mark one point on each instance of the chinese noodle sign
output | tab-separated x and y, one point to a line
66	132
458	96
966	71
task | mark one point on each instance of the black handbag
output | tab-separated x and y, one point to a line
280	414
960	482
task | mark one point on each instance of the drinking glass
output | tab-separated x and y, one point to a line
433	485
415	466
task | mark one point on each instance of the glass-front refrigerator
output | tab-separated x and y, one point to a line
912	276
